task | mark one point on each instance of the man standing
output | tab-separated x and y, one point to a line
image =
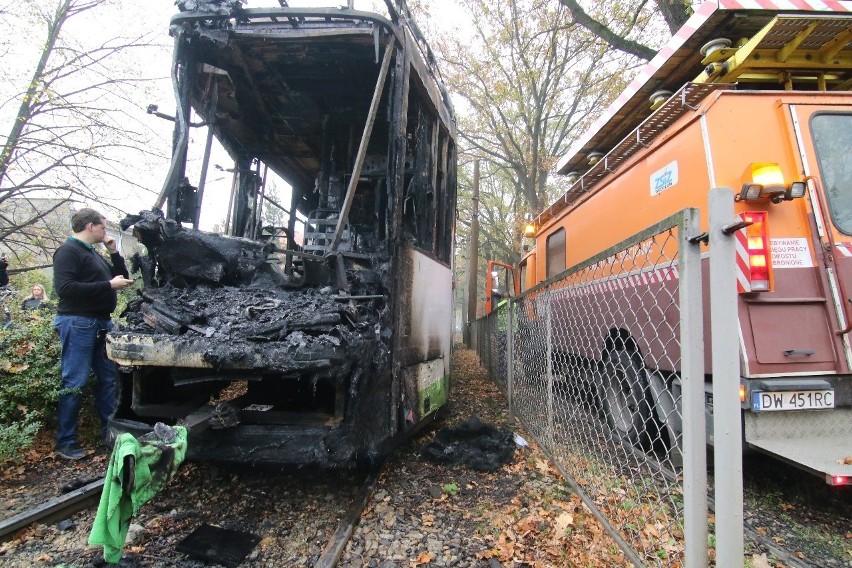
4	275
4	281
86	285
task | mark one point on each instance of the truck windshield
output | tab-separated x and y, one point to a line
833	143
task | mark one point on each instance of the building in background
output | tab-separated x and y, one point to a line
32	245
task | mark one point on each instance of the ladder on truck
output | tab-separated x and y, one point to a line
807	51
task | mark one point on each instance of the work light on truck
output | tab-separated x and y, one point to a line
797	190
766	181
529	231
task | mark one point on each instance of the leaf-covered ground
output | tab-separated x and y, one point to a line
523	514
421	514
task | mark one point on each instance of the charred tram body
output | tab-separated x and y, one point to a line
324	353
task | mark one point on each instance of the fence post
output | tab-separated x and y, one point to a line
489	333
510	355
727	414
549	362
692	393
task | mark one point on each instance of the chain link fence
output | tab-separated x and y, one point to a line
596	375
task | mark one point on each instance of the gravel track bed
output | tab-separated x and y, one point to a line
420	514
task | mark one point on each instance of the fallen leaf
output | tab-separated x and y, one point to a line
506	547
527	524
845	460
543	466
24	348
424	557
760	561
561	524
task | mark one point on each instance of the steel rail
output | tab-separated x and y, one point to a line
334	549
60	507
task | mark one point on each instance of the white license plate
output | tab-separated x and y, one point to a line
792	400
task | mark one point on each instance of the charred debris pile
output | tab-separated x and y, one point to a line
233	294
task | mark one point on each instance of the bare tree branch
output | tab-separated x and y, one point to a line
74	133
602	31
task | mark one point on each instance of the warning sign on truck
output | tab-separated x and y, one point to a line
791	253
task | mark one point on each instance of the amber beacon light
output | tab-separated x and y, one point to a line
765	180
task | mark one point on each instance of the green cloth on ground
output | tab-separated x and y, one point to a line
158	456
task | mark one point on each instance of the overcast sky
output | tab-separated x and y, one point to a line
130	18
214	210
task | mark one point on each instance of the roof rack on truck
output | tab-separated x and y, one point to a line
725	42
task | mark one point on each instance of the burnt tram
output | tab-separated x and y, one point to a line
323	351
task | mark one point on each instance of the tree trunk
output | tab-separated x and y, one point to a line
675	13
27	104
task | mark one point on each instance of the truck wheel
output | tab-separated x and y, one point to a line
624	397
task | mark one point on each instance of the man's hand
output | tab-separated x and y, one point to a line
120	282
110	245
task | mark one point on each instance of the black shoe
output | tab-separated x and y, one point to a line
71	452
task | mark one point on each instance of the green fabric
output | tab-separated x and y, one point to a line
157	461
84	243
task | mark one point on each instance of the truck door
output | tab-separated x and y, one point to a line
825	145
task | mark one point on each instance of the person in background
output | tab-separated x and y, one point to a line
4	276
86	285
37	300
4	281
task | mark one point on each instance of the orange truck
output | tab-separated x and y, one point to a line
753	95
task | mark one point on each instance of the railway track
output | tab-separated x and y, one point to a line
286	510
54	509
353	495
334	549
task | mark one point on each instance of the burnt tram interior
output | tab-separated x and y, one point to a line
318	353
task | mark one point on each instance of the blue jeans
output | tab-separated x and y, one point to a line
83	350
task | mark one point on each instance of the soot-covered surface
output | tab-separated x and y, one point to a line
313	346
226	292
307	328
479	446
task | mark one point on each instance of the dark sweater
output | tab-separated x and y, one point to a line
81	280
4	276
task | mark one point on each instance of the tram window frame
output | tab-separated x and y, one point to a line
555	253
